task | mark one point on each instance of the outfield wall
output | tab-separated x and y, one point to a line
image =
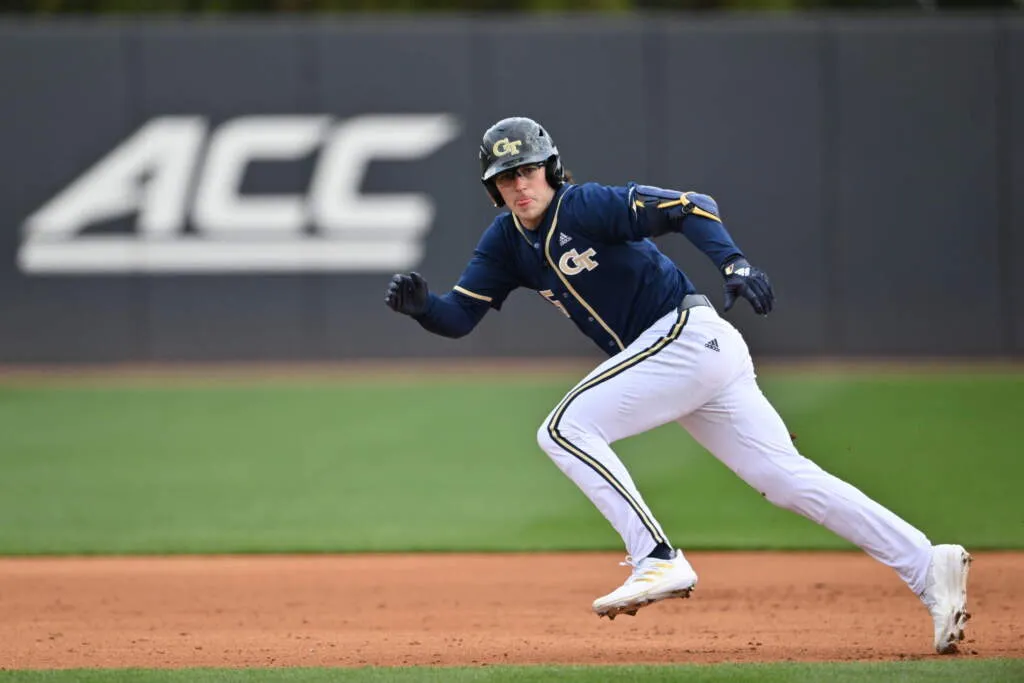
242	190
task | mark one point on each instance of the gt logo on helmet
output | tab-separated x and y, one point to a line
514	142
504	147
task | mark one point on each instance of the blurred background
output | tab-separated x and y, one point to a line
237	180
216	181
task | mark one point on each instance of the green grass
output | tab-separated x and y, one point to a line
453	465
930	671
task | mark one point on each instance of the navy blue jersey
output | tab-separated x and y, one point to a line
591	258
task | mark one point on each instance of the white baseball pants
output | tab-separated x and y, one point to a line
694	367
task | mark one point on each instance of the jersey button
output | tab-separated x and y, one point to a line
590	320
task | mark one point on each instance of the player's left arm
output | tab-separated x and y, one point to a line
616	214
657	212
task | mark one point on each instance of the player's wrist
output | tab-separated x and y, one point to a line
736	264
424	310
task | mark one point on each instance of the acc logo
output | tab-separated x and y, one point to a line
574	263
504	147
182	179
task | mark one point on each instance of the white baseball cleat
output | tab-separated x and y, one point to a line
652	580
945	595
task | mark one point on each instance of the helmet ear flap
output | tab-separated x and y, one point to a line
554	172
492	190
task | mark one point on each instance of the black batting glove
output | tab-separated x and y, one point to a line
407	294
743	279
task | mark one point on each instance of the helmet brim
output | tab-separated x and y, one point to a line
502	165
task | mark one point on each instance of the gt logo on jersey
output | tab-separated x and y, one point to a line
574	263
504	147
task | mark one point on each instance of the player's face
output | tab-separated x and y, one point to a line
526	192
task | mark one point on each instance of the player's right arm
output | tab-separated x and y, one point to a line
484	284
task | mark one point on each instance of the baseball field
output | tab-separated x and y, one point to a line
401	524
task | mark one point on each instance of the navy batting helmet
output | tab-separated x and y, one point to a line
513	142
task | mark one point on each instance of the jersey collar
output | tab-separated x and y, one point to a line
541	232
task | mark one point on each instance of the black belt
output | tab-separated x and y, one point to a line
691	300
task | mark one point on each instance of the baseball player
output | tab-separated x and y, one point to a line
587	250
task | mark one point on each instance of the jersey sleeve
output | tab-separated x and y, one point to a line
693	214
634	212
451	315
484	284
487	277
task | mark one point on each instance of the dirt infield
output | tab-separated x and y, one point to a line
359	610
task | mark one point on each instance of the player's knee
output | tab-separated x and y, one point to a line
554	445
558	432
574	425
545	438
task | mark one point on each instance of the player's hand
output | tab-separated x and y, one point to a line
407	294
743	279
